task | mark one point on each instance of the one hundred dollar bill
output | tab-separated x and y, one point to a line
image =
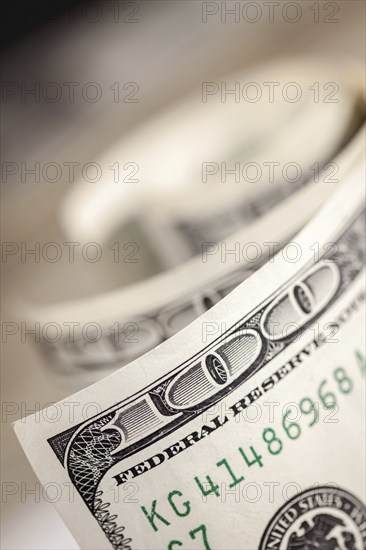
243	431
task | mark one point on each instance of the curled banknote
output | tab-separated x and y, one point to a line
253	414
219	161
123	324
231	385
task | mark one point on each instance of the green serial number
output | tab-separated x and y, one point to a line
328	393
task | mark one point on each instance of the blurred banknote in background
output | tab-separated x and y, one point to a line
183	324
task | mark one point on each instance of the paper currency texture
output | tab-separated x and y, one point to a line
259	424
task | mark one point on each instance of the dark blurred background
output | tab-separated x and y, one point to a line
19	18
